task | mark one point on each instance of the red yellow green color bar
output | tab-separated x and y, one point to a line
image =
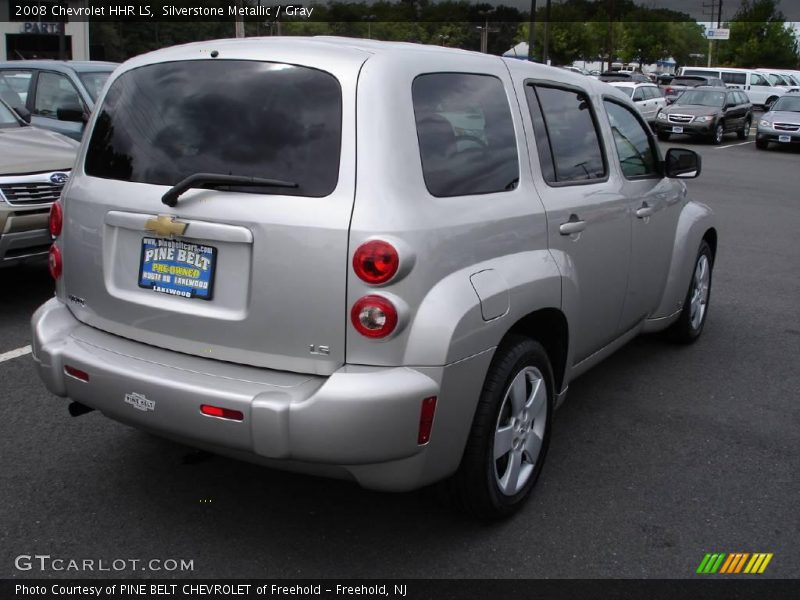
736	562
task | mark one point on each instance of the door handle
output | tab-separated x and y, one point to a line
574	225
645	211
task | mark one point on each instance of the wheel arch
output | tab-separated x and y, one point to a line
549	327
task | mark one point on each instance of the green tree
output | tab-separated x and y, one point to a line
760	37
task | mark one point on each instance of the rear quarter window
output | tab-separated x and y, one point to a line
161	123
466	136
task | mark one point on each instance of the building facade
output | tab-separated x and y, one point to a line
35	35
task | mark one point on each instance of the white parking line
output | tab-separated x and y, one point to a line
732	145
15	353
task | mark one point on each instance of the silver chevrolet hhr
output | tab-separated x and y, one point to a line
377	261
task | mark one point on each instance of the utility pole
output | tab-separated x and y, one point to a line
546	41
711	8
239	24
532	30
486	30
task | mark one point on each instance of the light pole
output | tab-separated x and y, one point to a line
369	19
443	38
532	30
485	29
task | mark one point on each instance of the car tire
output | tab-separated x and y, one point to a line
690	324
718	134
663	136
744	132
496	475
762	144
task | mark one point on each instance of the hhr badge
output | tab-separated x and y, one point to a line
140	402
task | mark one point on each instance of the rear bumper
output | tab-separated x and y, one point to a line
360	422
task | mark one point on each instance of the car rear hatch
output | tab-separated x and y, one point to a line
242	273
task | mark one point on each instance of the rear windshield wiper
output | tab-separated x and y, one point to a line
212	180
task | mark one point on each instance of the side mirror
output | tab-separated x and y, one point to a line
71	112
682	164
23	113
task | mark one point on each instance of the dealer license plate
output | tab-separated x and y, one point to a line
785	138
677	129
177	268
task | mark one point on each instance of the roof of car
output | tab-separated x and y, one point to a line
79	66
631	84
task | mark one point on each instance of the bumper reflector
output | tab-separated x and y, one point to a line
76	373
222	413
426	420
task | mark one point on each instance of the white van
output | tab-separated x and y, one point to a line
755	84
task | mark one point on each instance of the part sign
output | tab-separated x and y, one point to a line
177	268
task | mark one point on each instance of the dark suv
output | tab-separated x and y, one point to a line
681	83
708	112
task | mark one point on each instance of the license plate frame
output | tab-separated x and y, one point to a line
677	129
188	271
784	139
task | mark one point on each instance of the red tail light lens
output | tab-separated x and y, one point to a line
222	413
426	420
54	261
374	316
669	90
376	261
56	219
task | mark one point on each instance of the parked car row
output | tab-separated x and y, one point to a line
755	83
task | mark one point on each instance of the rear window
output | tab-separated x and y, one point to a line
163	122
466	135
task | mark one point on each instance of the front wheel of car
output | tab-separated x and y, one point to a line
695	306
510	433
762	144
718	134
744	132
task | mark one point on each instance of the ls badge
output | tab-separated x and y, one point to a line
140	402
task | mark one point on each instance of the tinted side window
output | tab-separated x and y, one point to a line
163	122
574	150
756	79
637	156
735	78
54	91
466	135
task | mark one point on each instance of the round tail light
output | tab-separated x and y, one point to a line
374	316
54	261
376	261
56	219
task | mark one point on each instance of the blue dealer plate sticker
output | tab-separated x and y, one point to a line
177	268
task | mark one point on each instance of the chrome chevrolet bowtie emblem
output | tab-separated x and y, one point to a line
165	225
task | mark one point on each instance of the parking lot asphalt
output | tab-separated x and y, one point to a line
660	454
